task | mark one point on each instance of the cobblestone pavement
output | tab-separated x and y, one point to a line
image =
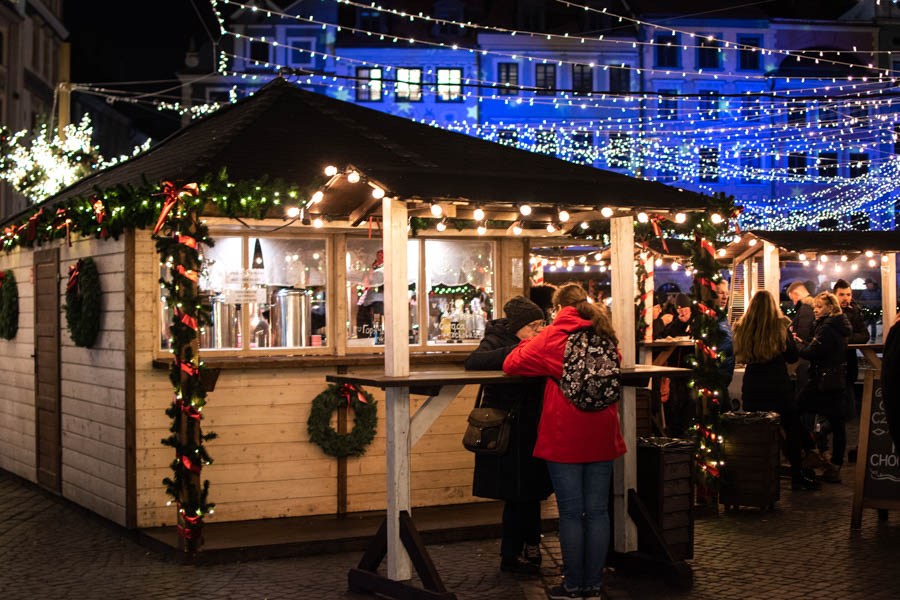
803	549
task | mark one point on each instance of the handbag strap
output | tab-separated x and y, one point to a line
514	411
479	396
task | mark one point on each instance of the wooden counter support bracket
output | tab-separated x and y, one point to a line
430	411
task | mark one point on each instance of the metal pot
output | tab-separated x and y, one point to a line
226	326
291	314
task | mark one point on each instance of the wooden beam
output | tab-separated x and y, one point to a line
430	411
339	325
888	292
396	364
771	269
623	292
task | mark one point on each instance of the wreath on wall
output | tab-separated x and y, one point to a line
9	305
343	444
83	302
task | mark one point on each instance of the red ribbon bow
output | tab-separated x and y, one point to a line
74	272
654	222
187	367
347	390
186	240
32	224
187	409
193	467
186	319
192	275
708	247
172	195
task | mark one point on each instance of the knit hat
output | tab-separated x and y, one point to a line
520	311
682	301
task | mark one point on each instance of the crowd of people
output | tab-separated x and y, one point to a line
800	368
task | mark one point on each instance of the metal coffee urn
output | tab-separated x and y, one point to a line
291	318
226	324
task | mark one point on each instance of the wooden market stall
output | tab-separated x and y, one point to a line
312	286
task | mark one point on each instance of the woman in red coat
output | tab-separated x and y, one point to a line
578	446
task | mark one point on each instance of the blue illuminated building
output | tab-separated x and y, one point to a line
720	103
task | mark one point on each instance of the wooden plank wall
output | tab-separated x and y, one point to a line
93	389
264	465
17	413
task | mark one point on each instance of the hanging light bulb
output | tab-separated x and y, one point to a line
823	258
436	210
658	262
582	259
642	217
680	217
559	263
716	218
872	263
441	226
293	212
563	216
805	263
525	209
752	242
843	258
674	266
318	222
721	251
482	230
854	267
551	228
820	267
571	262
317	197
377	193
330	171
353	177
478	215
516	228
869	254
606	212
801	257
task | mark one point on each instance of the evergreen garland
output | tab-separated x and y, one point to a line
83	296
366	417
9	305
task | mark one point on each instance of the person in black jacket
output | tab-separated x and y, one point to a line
763	343
517	477
890	381
859	334
803	324
826	389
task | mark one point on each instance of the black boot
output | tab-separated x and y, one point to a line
805	481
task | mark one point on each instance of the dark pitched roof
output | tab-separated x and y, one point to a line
826	242
285	132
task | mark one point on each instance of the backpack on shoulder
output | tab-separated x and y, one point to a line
591	375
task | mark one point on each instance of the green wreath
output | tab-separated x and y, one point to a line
83	302
347	444
9	305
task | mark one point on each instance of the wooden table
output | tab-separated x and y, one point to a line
402	432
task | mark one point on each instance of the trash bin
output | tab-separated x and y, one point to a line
752	454
665	475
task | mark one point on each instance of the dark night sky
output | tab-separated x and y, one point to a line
130	40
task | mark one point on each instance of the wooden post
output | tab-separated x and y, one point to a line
771	269
649	286
623	292
396	364
888	292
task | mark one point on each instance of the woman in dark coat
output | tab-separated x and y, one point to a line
824	394
763	343
517	477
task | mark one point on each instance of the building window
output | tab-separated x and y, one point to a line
668	105
583	151
370	20
708	104
750	167
582	79
545	78
668	52
860	114
459	284
827	113
300	52
508	137
259	52
750	109
708	55
748	56
859	222
859	164
409	85
828	165
368	84
620	80
449	85
508	75
896	138
545	142
709	165
797	115
797	164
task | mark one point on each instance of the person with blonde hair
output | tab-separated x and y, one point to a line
826	388
579	446
763	343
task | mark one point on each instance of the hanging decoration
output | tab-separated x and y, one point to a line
83	302
9	305
323	435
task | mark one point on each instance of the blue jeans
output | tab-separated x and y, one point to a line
582	496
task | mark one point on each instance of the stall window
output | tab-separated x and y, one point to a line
365	291
460	285
289	277
217	291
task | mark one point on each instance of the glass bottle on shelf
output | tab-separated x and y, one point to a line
455	318
445	323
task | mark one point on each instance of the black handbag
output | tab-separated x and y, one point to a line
488	430
832	378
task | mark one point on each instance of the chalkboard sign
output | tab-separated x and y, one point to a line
878	467
882	462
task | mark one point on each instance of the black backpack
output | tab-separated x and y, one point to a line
590	378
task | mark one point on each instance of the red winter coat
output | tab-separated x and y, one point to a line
565	433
